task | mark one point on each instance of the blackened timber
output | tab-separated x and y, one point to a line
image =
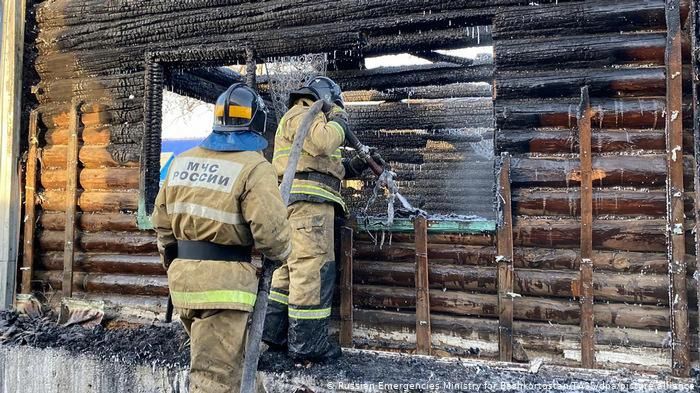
608	171
30	204
437	57
346	297
525	308
146	264
568	51
678	293
123	284
186	84
422	283
420	75
104	241
91	222
71	198
451	90
562	140
643	289
589	17
604	82
524	257
608	113
504	261
586	267
548	202
423	114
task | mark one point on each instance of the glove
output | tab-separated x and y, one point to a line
356	165
337	113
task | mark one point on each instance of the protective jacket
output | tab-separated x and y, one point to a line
226	198
321	157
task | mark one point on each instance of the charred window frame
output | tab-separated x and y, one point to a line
158	64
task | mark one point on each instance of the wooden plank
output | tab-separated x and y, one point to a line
11	60
30	205
346	304
423	334
250	68
678	296
504	259
694	31
586	266
71	200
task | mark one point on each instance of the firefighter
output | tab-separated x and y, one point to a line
302	289
220	200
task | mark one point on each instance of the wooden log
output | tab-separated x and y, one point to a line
71	195
96	135
608	171
694	28
382	44
123	284
346	296
422	75
112	242
91	222
93	201
646	113
421	92
90	156
638	289
105	263
524	309
94	179
558	141
532	335
608	82
423	114
589	17
422	283
566	51
622	235
586	267
674	187
538	202
504	260
30	204
524	257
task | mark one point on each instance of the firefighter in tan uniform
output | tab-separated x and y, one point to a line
302	289
220	200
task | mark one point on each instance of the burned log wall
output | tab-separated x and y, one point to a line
96	51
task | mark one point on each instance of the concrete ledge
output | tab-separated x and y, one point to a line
31	370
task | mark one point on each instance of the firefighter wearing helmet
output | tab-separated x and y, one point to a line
302	289
218	201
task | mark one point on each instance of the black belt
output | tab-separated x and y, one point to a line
188	249
328	180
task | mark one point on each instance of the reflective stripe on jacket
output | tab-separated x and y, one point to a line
228	198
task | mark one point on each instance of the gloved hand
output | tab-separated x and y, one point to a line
356	165
336	113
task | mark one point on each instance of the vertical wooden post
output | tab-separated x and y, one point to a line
694	31
251	67
12	14
30	204
346	304
423	331
586	263
678	293
71	199
505	262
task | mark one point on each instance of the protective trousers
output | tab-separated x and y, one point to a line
217	345
302	289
